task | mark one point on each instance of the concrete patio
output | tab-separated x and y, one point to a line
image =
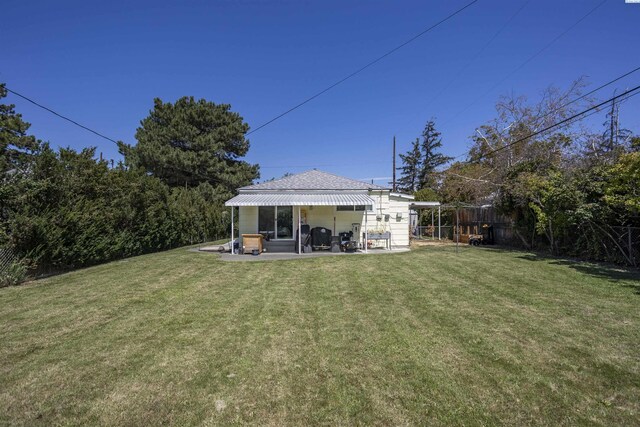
278	256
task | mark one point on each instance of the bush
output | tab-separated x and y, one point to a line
13	273
71	211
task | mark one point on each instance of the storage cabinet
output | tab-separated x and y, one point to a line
251	242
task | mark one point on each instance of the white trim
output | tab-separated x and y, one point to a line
275	222
366	208
402	196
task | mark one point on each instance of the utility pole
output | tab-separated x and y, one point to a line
394	164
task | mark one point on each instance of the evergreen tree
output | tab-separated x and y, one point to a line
431	158
410	169
65	208
192	142
16	150
15	145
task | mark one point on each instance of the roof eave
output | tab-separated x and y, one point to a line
246	190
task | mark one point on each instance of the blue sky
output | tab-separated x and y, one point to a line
102	63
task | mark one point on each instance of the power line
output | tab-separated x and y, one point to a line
528	60
311	98
627	94
579	116
592	91
289	110
478	53
582	115
61	116
561	122
620	101
610	82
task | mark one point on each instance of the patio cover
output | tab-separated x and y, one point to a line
301	199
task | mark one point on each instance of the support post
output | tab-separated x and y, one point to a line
299	230
232	245
433	230
439	226
366	233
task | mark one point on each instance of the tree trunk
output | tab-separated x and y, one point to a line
521	237
622	251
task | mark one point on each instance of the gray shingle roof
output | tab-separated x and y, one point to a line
314	180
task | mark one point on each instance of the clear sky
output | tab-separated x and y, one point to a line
102	63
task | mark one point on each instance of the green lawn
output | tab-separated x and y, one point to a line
427	337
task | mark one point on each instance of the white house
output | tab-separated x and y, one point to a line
276	209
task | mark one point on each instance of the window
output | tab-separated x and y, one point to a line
285	222
267	221
275	222
356	208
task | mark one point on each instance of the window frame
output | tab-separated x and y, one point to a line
273	232
354	208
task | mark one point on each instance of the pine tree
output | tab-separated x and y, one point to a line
410	169
431	158
192	142
15	145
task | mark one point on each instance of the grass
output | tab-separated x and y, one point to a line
427	337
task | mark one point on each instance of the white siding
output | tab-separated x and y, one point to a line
323	216
248	221
392	206
399	226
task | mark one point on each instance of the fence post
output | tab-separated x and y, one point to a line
433	230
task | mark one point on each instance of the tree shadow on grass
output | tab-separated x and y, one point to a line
629	277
